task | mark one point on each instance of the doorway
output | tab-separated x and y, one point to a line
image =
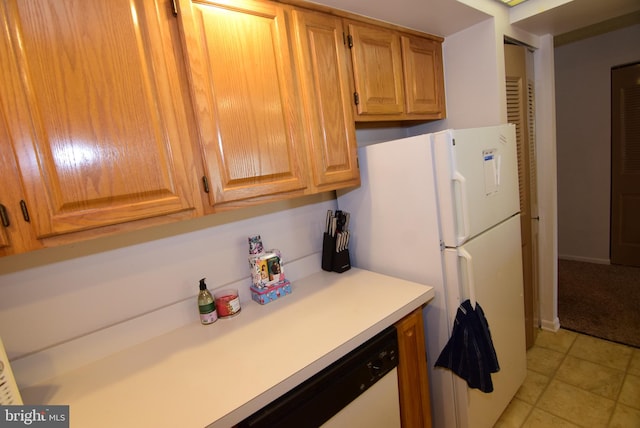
625	165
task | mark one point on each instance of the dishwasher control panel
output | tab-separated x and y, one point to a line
382	363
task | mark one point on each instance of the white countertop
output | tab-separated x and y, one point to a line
217	375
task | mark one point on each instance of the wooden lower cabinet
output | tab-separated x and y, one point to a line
413	378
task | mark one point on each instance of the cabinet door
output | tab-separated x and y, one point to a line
377	69
92	116
321	57
424	86
16	235
244	96
413	380
7	166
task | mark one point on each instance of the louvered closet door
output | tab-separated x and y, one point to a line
625	165
520	112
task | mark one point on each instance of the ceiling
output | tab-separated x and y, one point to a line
446	17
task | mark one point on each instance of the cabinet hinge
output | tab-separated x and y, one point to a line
3	216
25	211
205	183
356	98
174	7
350	41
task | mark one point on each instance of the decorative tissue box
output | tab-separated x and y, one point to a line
264	295
266	269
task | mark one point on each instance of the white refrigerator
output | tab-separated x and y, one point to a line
443	210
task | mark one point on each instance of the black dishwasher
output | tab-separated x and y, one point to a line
322	396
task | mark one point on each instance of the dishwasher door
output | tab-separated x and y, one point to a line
377	407
358	390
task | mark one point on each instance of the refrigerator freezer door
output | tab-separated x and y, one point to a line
477	179
394	231
492	263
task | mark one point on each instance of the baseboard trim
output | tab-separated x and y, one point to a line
553	326
584	259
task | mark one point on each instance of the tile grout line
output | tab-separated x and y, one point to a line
551	376
624	380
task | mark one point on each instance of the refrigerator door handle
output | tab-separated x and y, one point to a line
470	281
464	227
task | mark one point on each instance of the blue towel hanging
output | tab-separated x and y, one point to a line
469	353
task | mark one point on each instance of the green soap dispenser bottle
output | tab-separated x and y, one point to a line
206	305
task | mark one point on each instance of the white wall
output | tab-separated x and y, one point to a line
53	296
583	106
472	86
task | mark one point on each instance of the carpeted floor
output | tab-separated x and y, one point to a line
600	300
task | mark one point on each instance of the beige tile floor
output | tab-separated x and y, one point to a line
574	380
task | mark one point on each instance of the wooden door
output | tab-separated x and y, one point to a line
245	98
413	378
9	172
377	69
88	90
625	165
424	87
520	111
16	233
6	166
322	64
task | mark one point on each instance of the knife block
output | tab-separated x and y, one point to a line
332	260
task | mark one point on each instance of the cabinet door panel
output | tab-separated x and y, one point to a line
413	378
7	168
244	95
16	235
322	66
424	91
377	69
103	146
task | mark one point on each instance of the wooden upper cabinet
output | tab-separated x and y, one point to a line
322	65
397	76
89	91
377	70
245	98
423	82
